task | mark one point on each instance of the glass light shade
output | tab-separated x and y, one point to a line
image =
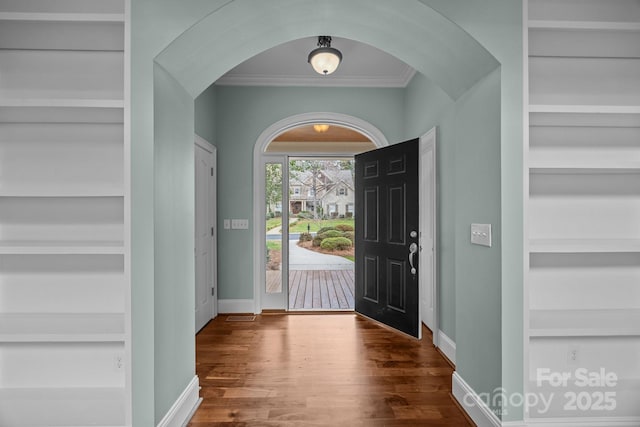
325	60
321	127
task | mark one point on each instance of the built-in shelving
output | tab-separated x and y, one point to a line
62	327
583	203
64	332
584	245
570	323
78	406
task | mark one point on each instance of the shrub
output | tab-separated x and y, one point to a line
333	243
305	215
325	229
316	241
331	233
344	227
305	237
350	235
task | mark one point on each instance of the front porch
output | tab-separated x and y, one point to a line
317	289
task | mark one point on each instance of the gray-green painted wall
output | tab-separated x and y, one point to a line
205	114
426	106
243	113
174	208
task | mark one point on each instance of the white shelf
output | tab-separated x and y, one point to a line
62	102
573	323
583	245
61	327
584	10
584	109
585	25
626	413
62	17
61	247
66	34
61	191
99	112
62	406
565	167
576	158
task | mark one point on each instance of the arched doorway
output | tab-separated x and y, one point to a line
270	297
455	63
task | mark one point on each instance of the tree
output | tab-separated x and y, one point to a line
273	184
314	167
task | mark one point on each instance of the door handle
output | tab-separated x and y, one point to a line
413	248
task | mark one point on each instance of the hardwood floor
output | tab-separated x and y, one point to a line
320	370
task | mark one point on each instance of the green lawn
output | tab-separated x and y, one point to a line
315	225
274	245
273	223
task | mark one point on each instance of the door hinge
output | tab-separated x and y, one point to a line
211	231
213	291
211	171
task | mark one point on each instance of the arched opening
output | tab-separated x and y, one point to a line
456	66
339	139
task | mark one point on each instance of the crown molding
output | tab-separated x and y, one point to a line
399	81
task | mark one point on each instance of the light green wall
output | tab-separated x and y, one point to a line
478	268
497	25
154	24
426	106
174	208
243	113
195	57
468	172
205	115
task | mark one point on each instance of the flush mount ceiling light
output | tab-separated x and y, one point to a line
321	127
325	59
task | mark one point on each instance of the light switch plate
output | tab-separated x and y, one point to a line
239	224
227	224
481	234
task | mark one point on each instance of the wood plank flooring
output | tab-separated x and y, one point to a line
320	370
321	290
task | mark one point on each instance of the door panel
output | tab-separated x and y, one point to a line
205	302
387	212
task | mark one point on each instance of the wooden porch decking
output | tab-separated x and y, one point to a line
317	289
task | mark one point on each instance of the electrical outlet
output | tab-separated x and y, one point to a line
573	355
481	234
118	362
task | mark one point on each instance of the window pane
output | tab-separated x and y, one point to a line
273	225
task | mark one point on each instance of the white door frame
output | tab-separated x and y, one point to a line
259	157
206	146
428	292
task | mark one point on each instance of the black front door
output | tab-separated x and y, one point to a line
386	236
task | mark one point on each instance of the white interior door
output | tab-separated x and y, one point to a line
427	258
205	233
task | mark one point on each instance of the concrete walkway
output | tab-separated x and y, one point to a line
304	259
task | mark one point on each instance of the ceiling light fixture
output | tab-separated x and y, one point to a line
324	59
321	127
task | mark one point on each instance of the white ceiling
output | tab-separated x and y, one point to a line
286	65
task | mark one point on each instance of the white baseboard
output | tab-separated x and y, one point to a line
585	422
235	306
472	404
447	346
182	410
